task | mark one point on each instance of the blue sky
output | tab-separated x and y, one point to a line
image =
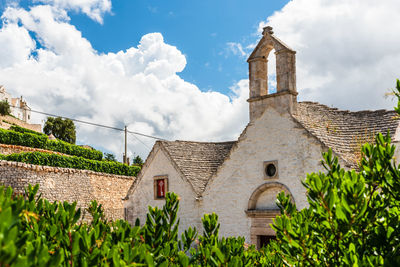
178	70
199	29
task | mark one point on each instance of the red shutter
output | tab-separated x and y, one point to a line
161	188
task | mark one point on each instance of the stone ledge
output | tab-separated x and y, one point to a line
269	213
34	167
285	92
31	149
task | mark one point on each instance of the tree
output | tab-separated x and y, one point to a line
138	161
5	108
109	157
63	129
353	216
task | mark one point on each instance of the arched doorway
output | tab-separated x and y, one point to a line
262	209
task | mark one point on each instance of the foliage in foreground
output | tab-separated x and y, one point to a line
35	232
54	160
353	219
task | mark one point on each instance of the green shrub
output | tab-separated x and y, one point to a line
19	129
23	137
75	150
36	232
54	160
5	108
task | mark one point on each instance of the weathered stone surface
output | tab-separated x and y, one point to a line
63	184
345	131
10	149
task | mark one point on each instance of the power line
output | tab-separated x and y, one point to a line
141	142
98	125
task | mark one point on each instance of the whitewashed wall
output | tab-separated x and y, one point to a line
273	136
143	196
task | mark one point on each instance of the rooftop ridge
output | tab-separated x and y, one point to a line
200	142
345	131
346	110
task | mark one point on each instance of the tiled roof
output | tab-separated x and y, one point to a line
345	131
198	161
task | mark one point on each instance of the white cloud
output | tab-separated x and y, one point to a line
138	87
95	9
236	49
348	52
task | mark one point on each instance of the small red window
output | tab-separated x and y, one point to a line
161	188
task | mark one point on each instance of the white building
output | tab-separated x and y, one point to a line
18	106
239	180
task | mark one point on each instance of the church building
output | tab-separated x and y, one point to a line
283	141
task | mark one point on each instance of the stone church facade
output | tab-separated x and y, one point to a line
282	142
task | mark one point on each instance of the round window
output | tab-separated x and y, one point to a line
270	170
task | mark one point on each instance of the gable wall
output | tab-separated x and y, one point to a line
273	136
143	195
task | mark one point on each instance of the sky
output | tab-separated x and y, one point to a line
177	69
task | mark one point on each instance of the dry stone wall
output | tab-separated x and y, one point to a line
64	184
10	149
7	121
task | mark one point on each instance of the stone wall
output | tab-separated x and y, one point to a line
10	149
63	184
7	121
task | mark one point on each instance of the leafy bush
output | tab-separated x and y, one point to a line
19	129
353	217
24	137
109	157
70	149
54	160
5	108
35	232
63	129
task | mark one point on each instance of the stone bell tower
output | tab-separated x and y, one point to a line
285	98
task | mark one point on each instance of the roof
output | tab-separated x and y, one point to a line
345	131
341	130
198	161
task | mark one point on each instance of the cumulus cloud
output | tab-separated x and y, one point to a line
95	9
347	51
138	87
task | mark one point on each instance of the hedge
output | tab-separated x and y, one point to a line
36	140
54	160
70	149
23	139
19	129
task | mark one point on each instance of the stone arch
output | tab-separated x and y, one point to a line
252	204
258	68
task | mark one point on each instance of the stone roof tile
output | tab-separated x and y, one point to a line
198	161
345	131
